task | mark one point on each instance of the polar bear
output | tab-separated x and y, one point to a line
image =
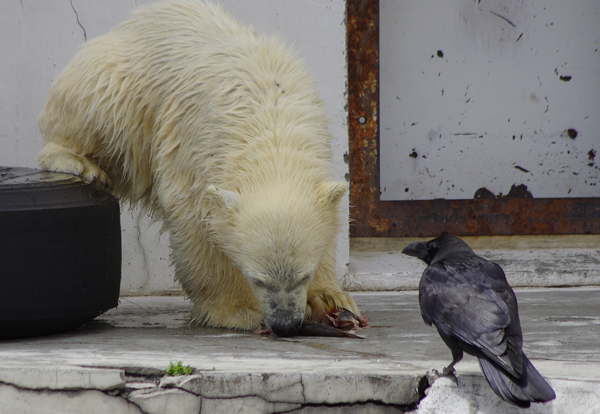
219	132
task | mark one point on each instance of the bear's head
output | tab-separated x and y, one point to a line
278	237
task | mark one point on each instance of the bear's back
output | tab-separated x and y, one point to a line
184	83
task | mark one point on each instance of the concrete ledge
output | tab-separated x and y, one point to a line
62	377
24	401
117	363
301	388
165	401
527	261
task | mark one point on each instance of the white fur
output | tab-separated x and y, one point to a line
220	132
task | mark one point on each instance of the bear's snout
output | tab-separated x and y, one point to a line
284	321
286	329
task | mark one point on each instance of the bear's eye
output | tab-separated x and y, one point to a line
264	285
302	281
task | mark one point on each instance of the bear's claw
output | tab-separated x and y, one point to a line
57	158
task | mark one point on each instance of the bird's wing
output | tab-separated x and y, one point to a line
456	299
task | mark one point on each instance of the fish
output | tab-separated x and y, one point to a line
339	323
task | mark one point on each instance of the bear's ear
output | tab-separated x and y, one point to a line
227	200
332	192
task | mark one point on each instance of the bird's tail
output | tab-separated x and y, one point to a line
531	387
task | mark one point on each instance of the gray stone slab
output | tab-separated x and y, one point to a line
391	270
62	377
273	387
334	388
245	405
165	401
15	400
364	408
300	388
249	372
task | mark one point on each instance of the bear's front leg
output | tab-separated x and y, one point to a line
325	294
57	158
319	303
224	316
221	302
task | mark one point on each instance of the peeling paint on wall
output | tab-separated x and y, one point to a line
495	95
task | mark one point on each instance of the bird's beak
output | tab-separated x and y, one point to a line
416	249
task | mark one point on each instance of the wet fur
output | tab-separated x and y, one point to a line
220	133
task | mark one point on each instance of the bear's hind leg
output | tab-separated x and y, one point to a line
55	157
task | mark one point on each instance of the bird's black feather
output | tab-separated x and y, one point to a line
470	302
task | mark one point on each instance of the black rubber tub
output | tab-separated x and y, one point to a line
60	252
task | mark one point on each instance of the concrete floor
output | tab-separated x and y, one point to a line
117	362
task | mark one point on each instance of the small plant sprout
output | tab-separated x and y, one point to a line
178	369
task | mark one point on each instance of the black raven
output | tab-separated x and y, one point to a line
474	309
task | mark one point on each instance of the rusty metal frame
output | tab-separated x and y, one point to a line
371	217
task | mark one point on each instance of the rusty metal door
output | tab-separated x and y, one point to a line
470	201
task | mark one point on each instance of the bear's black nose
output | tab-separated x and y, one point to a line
287	329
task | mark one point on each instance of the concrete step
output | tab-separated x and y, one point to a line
117	363
528	261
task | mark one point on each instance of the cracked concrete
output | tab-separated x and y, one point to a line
118	361
78	22
26	401
52	377
144	254
169	401
146	265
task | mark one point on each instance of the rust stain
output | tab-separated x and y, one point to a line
363	92
516	213
381	225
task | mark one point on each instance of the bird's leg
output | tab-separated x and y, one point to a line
449	371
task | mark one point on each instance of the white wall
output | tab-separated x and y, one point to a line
512	98
39	37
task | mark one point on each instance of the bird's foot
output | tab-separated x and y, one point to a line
450	372
447	372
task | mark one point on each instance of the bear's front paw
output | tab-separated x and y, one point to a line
57	158
320	303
